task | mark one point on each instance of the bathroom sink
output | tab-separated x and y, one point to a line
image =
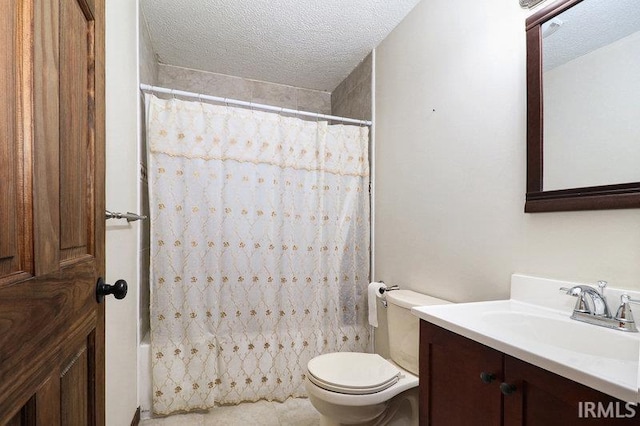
563	334
604	359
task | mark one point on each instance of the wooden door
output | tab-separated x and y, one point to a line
452	390
51	212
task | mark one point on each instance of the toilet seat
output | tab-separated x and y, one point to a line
352	373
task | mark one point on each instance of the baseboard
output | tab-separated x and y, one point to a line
136	418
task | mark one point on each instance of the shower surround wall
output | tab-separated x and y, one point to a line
148	61
352	98
261	92
148	75
148	69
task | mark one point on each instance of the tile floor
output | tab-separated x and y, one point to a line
292	412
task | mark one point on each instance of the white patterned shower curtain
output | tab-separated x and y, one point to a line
259	250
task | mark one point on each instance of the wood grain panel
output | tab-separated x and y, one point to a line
47	400
26	416
29	413
98	239
56	312
76	64
8	80
74	387
48	308
46	185
16	420
9	249
16	236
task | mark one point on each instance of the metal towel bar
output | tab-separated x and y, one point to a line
131	217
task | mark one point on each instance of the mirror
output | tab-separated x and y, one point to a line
583	106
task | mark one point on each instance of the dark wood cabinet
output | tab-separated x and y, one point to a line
451	391
463	382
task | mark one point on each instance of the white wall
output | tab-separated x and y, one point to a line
591	110
122	195
450	165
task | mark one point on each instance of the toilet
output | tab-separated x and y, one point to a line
352	388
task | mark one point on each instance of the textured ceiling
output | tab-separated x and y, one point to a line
313	44
588	26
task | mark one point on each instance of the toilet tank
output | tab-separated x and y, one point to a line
404	327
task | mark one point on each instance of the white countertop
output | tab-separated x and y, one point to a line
534	326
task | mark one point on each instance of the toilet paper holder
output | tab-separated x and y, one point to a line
383	290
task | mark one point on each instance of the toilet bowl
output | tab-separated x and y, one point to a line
349	388
367	407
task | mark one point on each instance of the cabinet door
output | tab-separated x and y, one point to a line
544	398
452	392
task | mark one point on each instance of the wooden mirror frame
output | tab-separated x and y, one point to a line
618	196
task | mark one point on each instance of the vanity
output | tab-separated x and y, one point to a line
524	361
544	357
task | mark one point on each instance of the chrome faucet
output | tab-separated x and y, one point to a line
624	314
591	307
590	301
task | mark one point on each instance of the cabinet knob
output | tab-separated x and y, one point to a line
487	377
507	388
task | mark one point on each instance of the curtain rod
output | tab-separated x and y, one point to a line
156	89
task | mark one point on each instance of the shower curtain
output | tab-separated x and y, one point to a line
259	248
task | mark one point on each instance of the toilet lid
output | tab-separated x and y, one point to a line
352	372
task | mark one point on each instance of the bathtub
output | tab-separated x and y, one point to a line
144	377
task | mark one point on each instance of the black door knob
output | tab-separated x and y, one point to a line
507	389
487	377
119	289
